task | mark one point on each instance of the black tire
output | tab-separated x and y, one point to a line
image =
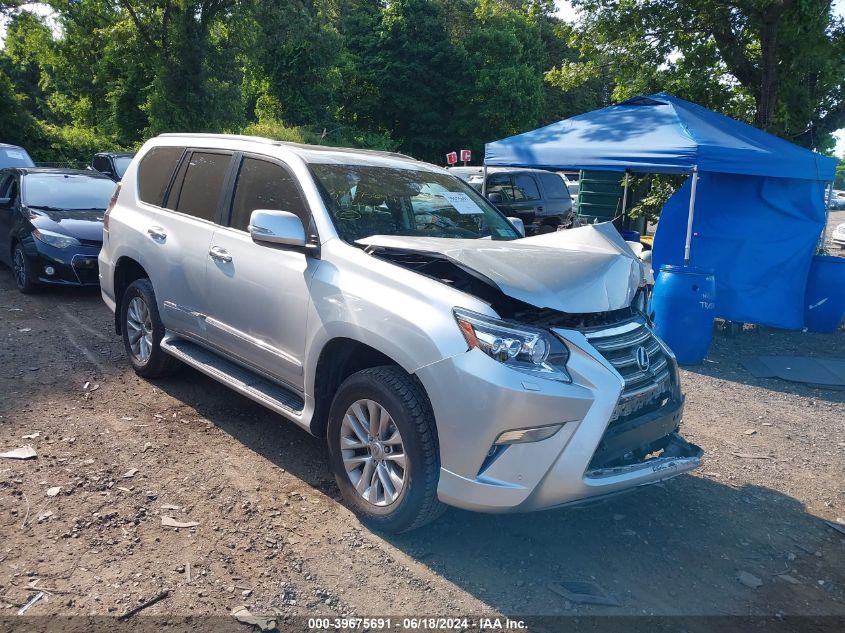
22	273
406	402
157	363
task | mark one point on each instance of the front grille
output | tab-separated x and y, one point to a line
647	384
86	269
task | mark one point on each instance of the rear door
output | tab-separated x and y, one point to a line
526	195
258	294
556	198
179	235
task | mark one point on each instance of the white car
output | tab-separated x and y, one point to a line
838	235
444	358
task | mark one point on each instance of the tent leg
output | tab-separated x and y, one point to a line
691	214
826	214
625	198
484	180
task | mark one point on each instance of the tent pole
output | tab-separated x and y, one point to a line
625	197
484	179
826	213
691	214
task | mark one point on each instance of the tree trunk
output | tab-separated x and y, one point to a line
767	95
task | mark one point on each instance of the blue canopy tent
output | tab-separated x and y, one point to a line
752	210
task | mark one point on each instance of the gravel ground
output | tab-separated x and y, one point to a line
116	453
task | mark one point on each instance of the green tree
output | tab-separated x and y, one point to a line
27	57
777	63
501	88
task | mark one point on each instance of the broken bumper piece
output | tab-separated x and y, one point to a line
595	453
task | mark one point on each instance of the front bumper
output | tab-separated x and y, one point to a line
475	399
74	266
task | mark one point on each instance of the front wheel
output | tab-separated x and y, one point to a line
22	272
143	330
383	449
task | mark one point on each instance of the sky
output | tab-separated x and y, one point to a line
564	10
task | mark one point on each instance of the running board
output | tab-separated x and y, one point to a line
242	380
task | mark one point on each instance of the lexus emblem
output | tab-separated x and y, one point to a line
641	356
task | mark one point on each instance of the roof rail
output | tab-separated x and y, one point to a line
235	137
267	141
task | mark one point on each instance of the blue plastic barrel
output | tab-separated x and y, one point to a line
824	306
630	236
684	305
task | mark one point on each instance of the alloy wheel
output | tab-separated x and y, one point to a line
372	452
139	326
19	265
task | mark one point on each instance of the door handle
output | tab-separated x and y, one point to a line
220	255
539	209
157	233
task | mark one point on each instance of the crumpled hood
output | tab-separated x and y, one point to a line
582	270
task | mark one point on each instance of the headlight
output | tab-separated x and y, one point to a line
518	346
640	302
55	239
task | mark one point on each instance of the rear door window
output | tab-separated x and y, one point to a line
265	185
155	172
554	186
205	175
101	164
524	188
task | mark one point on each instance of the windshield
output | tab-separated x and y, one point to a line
120	165
66	191
365	200
14	157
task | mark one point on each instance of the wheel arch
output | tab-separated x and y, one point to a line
126	271
339	358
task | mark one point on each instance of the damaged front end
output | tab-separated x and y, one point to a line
586	288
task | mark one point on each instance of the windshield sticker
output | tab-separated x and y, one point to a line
13	153
462	202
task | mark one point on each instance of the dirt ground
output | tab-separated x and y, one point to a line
272	534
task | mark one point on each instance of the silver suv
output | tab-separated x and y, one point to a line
383	304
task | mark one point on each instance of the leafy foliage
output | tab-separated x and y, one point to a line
779	64
419	76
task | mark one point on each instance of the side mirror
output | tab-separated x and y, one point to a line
276	227
518	224
495	197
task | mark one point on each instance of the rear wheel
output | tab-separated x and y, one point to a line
22	272
383	449
143	330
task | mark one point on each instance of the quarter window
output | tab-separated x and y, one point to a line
265	185
203	184
155	171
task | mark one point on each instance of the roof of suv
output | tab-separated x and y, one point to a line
478	170
58	171
307	152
